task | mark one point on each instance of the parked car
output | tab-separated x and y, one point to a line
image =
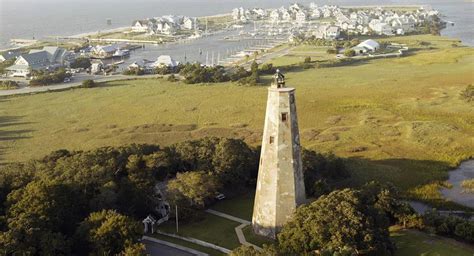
220	196
67	80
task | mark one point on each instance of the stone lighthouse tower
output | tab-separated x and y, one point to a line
280	184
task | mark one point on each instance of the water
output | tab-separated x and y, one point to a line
464	172
29	19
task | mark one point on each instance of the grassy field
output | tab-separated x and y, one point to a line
211	228
399	120
241	206
413	243
299	53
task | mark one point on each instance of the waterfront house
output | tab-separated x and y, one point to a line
106	51
97	66
49	58
300	17
285	15
189	23
140	26
146	65
9	55
315	14
275	16
259	13
166	61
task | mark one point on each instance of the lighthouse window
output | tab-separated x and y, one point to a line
272	139
284	117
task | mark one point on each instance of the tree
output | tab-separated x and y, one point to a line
108	232
349	53
89	83
133	250
39	217
341	220
233	163
320	170
81	62
244	250
197	188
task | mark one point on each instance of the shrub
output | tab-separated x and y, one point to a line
163	70
195	73
332	51
349	53
172	78
307	59
134	72
8	85
49	78
89	83
468	93
267	68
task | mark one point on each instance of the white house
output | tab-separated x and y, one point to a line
285	15
140	26
275	16
295	8
316	14
259	12
48	58
366	46
189	23
332	32
300	17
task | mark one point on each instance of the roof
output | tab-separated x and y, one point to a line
17	67
166	60
370	44
10	54
36	57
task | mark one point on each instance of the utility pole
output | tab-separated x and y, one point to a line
176	219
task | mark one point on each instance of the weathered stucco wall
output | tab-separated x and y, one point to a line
280	185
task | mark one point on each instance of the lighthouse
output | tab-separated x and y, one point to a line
280	183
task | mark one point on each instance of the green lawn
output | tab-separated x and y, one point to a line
241	206
413	243
211	228
399	120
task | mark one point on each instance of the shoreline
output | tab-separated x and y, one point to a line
83	35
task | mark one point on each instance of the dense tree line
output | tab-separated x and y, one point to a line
196	73
65	203
343	222
45	78
450	226
75	202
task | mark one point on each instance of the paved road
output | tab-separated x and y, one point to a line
76	81
156	249
266	57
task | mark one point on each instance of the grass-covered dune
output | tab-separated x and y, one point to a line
398	120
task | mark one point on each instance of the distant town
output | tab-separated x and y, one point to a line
107	53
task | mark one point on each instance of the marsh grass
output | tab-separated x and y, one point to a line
397	120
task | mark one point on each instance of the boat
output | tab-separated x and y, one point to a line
121	53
